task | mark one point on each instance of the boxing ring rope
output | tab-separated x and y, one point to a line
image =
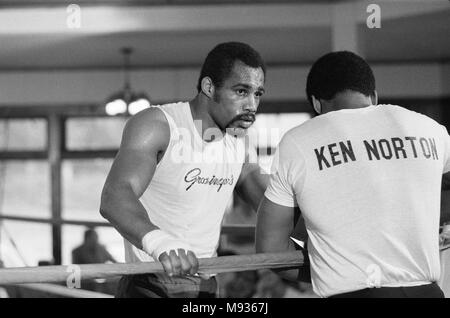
213	265
38	278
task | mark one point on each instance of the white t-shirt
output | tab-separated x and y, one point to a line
368	183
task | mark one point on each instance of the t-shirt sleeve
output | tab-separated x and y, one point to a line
447	150
286	174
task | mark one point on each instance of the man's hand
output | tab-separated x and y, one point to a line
175	255
179	263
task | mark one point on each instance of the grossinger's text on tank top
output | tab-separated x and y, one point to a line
194	177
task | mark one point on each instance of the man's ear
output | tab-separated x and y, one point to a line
374	98
207	86
316	104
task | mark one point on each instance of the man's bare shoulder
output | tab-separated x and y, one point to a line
148	128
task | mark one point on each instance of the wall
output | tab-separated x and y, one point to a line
283	83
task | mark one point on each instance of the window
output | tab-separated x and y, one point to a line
94	133
82	184
23	134
25	188
25	244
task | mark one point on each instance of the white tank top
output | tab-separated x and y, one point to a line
192	185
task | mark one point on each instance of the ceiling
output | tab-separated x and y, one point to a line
34	3
285	32
416	38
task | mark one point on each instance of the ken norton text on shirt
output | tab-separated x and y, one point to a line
377	149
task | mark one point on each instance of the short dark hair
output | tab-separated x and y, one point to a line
219	62
337	72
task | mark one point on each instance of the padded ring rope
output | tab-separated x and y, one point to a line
213	265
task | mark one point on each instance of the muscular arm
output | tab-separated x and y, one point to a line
274	226
145	136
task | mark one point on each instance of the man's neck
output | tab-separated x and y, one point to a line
347	100
201	116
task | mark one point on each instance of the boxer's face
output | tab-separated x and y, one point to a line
237	100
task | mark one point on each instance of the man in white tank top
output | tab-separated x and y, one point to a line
367	180
176	170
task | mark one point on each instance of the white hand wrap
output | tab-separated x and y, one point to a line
157	242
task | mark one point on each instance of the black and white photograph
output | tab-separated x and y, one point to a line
224	153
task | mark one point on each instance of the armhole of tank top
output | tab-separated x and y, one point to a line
172	131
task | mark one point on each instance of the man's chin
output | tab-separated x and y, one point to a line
237	131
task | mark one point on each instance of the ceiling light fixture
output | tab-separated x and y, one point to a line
126	101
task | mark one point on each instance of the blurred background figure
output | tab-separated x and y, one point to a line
91	251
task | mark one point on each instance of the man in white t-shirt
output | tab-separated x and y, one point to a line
367	180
